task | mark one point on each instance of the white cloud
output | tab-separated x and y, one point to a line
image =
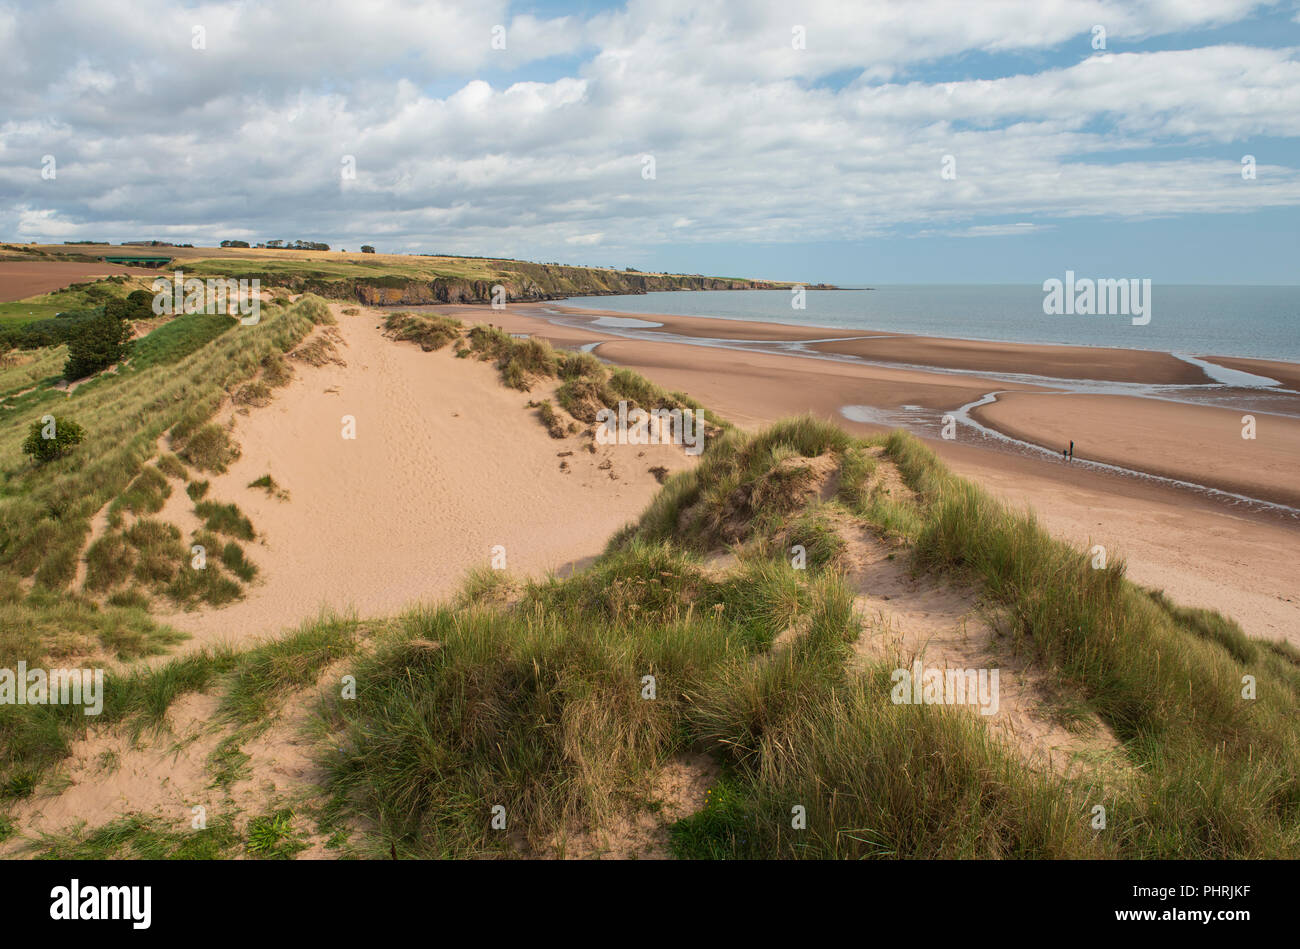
248	135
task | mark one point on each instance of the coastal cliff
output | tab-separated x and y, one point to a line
522	282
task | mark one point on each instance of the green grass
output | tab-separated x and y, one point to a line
539	708
431	332
145	495
44	624
78	296
228	763
225	519
22	312
143	837
1221	770
234	560
45	513
109	562
35	738
254	683
178	338
210	448
171	466
269	485
743	486
530	695
272	836
267	674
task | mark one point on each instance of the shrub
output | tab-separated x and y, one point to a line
171	466
139	305
255	393
101	342
49	440
276	370
269	485
210	449
550	418
129	600
224	519
232	556
108	562
161	552
431	332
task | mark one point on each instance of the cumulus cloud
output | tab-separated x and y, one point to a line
541	145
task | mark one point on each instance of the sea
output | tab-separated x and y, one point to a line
1261	322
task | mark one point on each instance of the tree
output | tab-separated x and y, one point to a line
139	305
51	438
367	249
102	342
117	308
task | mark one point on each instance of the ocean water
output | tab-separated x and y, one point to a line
1250	321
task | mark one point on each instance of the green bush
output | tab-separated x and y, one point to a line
139	305
224	519
109	561
102	341
49	440
210	449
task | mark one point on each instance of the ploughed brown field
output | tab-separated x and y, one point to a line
20	279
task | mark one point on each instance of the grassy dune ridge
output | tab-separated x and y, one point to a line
174	388
172	385
533	702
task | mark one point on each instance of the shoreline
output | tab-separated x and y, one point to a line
1289	372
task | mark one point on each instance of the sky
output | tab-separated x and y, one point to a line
858	143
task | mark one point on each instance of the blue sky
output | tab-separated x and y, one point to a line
819	162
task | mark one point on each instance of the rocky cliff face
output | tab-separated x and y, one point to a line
522	282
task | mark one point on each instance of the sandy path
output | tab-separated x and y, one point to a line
446	464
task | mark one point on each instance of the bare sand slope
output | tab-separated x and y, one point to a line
446	464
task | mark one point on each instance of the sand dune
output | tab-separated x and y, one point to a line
446	464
